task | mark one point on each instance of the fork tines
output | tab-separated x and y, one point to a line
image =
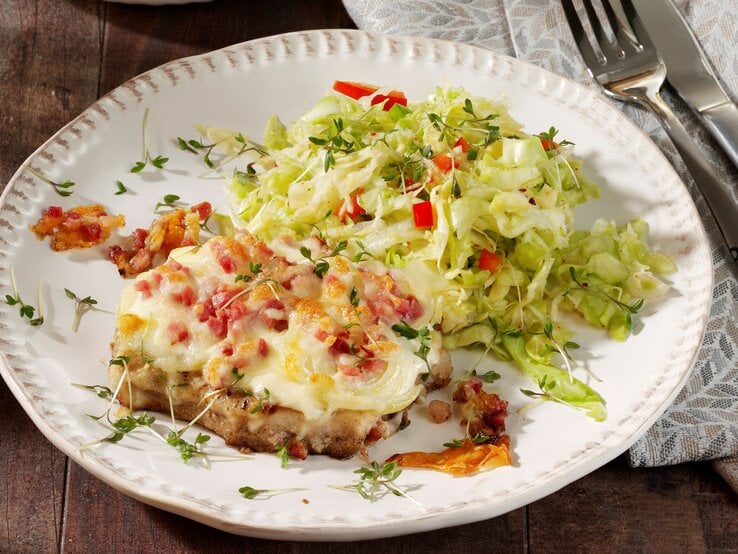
622	36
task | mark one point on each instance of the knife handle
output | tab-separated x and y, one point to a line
722	122
717	196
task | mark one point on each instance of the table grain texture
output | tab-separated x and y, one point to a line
59	56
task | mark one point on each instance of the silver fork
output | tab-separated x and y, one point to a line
631	70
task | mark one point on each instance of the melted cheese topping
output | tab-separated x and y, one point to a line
245	317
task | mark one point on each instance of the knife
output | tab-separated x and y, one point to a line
688	70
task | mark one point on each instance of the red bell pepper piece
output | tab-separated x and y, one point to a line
359	90
462	142
423	214
354	90
445	162
352	210
490	261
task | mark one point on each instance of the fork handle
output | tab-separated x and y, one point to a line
718	199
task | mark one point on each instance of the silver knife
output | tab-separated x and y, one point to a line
689	71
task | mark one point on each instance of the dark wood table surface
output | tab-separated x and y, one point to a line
59	56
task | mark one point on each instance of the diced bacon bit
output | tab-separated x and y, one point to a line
376	432
221	297
297	449
218	324
263	348
236	310
483	413
203	210
79	227
177	332
387	302
439	411
143	287
139	237
146	248
225	259
409	307
185	296
349	370
372	365
340	346
204	310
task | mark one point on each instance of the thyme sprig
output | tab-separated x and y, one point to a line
81	305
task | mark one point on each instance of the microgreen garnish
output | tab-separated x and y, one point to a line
35	318
61	188
589	288
254	268
187	449
81	305
490	376
321	264
100	390
422	334
354	297
159	161
197	147
546	386
125	425
359	256
120	188
479	438
475	123
374	479
170	202
261	401
283	455
549	137
456	188
249	493
336	142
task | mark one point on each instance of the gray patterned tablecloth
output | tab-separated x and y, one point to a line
702	424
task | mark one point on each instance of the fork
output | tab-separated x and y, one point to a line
630	69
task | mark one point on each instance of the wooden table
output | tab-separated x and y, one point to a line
56	58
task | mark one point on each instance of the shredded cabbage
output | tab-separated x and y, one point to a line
350	171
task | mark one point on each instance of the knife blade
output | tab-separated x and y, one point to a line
689	71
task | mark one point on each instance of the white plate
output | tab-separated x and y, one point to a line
238	87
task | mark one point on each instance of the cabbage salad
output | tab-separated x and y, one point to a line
478	212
